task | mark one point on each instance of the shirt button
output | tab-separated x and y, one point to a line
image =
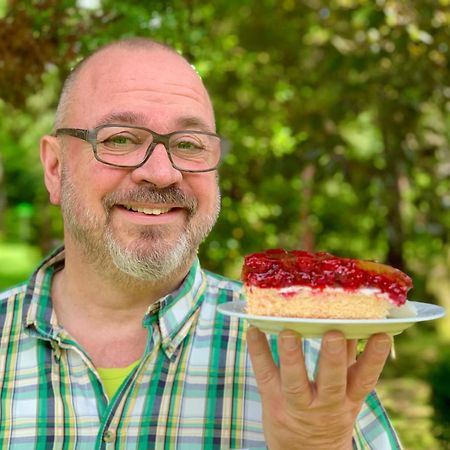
109	436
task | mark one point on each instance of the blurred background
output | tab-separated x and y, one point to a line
336	119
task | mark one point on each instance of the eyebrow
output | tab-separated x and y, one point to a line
137	119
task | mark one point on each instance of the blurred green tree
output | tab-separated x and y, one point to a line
336	116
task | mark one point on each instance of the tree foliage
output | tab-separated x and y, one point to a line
335	116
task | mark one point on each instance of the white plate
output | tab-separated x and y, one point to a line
353	329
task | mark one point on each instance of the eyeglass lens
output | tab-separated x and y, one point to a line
127	146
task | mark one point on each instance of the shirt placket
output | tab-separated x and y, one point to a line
109	433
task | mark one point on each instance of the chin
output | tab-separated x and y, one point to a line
144	260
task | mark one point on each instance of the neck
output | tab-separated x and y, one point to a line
103	308
105	287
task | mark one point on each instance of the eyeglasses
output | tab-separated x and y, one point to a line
131	147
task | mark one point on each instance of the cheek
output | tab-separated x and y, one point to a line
91	183
207	192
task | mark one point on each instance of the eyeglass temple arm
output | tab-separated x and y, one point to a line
75	132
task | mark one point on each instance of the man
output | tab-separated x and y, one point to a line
115	341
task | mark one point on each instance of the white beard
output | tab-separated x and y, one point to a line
137	259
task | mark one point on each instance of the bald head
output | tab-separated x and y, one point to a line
114	57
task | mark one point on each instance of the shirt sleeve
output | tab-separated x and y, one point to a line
373	429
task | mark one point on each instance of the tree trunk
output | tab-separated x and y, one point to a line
307	238
392	196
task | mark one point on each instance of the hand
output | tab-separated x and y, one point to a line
319	415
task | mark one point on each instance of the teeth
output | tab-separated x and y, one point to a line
152	211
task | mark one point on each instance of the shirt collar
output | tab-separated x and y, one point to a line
39	316
176	312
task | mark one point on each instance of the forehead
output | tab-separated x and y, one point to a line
153	83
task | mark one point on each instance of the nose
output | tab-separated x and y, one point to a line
157	170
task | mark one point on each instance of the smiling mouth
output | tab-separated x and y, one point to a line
147	211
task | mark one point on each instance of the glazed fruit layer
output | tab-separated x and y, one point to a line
278	268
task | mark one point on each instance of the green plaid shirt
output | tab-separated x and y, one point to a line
193	389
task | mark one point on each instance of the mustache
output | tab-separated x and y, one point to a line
145	194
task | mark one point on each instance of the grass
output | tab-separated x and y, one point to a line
17	262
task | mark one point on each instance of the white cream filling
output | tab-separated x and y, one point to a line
295	289
405	310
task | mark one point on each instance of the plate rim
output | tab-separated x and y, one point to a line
439	313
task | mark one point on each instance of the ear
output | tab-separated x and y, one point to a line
51	158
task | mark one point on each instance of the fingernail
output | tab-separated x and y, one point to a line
289	342
383	346
252	333
335	345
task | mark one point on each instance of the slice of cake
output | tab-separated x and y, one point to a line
319	285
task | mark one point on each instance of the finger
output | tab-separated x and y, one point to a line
266	372
364	374
352	348
295	384
331	378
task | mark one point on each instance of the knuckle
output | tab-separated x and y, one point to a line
294	389
277	416
333	391
368	383
265	377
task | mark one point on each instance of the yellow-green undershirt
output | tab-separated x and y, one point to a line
113	377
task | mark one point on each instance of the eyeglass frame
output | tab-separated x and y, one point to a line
90	136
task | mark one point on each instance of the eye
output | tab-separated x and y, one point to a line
120	140
187	143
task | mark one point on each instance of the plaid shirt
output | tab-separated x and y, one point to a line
193	389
